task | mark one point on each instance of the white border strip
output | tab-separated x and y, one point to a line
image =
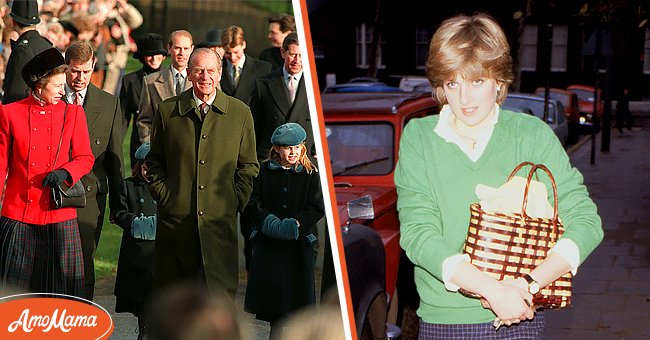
323	168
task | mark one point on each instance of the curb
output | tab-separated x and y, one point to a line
577	145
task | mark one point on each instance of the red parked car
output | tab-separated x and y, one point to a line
586	101
363	131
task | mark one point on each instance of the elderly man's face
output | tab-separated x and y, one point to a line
205	73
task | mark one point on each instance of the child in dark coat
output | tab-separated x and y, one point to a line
137	216
285	206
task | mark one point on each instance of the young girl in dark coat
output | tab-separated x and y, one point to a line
137	216
285	205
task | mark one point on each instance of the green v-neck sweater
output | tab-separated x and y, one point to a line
435	185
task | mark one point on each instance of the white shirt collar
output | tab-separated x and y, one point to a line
209	101
175	72
241	61
69	94
445	131
286	74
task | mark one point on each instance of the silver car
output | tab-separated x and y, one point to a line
534	105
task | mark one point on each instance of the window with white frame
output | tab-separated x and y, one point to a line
365	34
646	50
422	37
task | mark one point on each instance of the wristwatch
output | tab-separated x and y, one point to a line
533	286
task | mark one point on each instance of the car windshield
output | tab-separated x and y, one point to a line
536	106
360	149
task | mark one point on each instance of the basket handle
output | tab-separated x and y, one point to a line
518	167
530	177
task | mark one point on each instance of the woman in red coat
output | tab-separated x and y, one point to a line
40	249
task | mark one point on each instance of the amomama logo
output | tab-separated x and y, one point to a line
32	316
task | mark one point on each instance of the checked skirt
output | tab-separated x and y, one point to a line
41	258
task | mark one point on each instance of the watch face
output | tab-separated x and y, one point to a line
533	288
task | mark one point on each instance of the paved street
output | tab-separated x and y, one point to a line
611	289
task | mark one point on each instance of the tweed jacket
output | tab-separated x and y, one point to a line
201	174
156	87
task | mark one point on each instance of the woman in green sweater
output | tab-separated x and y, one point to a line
473	142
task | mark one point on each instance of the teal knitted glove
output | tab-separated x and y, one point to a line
286	229
144	228
311	239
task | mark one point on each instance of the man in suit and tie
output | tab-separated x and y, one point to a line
166	83
240	69
151	53
104	117
280	97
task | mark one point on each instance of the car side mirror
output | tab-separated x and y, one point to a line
360	208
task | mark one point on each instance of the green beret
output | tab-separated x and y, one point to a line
288	134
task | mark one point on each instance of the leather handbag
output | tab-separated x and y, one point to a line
64	196
508	246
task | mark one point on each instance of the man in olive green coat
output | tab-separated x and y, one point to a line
201	167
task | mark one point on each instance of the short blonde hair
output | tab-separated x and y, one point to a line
232	37
472	46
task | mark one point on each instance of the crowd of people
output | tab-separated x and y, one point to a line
220	139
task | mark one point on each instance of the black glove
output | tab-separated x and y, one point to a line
56	177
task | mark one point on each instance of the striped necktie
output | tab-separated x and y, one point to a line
291	86
180	83
77	98
236	74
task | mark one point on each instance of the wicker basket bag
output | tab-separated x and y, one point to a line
506	246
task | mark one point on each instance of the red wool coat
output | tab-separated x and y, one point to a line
29	137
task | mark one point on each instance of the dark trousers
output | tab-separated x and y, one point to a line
91	220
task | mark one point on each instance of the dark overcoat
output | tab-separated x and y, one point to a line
130	99
28	45
252	70
271	108
273	56
281	278
133	283
201	174
104	118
